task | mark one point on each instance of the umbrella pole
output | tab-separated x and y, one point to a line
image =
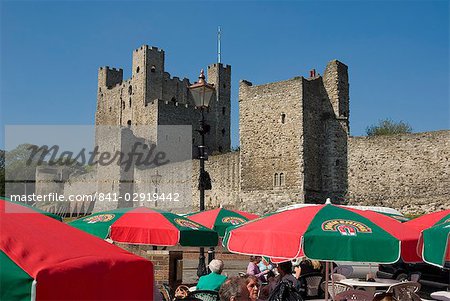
327	264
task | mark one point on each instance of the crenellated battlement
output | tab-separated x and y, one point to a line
151	48
220	65
109	77
107	68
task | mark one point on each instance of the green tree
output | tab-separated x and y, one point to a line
20	169
388	127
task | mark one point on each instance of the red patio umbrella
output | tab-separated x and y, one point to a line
220	219
325	232
434	242
44	259
141	225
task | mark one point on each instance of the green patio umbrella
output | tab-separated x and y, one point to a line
142	225
434	242
220	219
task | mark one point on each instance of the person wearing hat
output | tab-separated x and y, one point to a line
213	280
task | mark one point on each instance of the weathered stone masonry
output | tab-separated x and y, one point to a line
294	148
408	172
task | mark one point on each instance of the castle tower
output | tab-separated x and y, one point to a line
148	100
107	108
220	107
148	72
334	156
294	139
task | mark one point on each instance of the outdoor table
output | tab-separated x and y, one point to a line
441	295
368	285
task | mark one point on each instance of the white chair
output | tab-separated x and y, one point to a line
336	288
405	291
356	295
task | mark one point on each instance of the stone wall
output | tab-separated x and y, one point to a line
408	172
225	180
271	124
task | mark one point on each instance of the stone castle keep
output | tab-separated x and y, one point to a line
294	143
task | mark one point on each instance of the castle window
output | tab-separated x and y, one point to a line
153	69
283	118
223	132
110	109
338	162
224	110
278	179
281	179
276	182
130	89
224	86
129	123
130	102
100	89
123	105
137	69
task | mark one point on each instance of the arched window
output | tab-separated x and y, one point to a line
129	123
276	182
281	179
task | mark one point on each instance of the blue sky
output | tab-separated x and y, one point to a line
397	52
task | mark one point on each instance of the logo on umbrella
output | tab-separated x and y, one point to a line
345	227
101	218
187	223
233	220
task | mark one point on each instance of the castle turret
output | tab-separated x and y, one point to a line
336	130
109	77
148	71
336	84
220	107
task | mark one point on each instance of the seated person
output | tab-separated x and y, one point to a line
285	270
308	266
253	269
234	289
213	280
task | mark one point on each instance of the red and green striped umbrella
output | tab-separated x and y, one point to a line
142	225
43	259
220	219
434	242
35	210
325	232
